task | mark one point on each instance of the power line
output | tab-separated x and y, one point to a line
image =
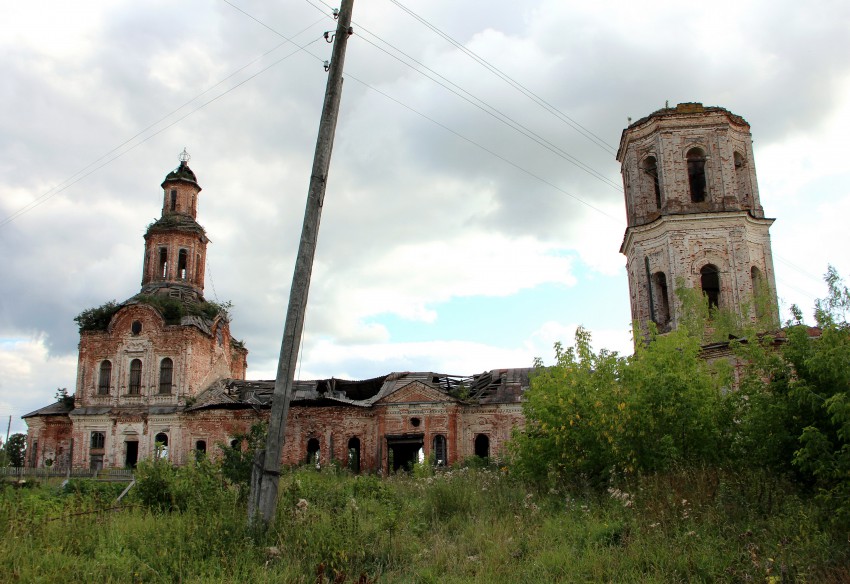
481	104
93	167
513	83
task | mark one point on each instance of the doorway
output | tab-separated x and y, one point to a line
404	451
132	453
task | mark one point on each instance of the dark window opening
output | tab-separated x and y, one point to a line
135	377
439	450
98	440
650	167
415	422
200	449
181	264
482	446
313	451
662	301
236	444
160	444
131	456
173	200
166	372
163	262
710	281
354	455
136	327
104	378
403	452
696	174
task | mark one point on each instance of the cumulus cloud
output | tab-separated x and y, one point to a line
430	199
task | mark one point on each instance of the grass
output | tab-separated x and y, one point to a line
462	525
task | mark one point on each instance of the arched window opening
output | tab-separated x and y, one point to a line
662	301
354	455
742	182
439	450
482	446
710	282
650	167
136	327
696	174
200	449
166	373
135	386
160	444
173	200
104	378
236	444
313	451
163	262
193	204
98	440
181	264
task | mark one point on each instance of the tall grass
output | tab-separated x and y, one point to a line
461	525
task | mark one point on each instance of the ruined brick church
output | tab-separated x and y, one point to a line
161	372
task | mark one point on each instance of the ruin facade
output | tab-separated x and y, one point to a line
160	374
694	216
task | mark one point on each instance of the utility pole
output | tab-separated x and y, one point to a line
262	502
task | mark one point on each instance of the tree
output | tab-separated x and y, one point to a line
16	448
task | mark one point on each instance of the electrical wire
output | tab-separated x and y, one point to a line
93	167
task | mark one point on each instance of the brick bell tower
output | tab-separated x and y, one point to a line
176	244
694	214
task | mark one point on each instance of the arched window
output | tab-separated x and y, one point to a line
439	450
200	449
173	200
104	378
181	264
696	174
163	262
166	373
354	455
650	168
662	301
161	445
482	446
710	282
135	386
313	451
98	440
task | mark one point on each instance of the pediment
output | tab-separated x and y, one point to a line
415	392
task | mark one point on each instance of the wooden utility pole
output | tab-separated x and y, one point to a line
262	502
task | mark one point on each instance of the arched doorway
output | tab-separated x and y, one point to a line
354	455
482	446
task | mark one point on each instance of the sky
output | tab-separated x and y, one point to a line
474	207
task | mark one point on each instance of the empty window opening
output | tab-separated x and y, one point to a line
696	174
136	327
160	443
163	262
173	200
236	444
135	386
415	422
98	440
313	451
742	181
181	264
482	446
710	281
131	453
650	167
439	450
662	301
104	378
354	455
193	204
166	373
404	451
201	446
